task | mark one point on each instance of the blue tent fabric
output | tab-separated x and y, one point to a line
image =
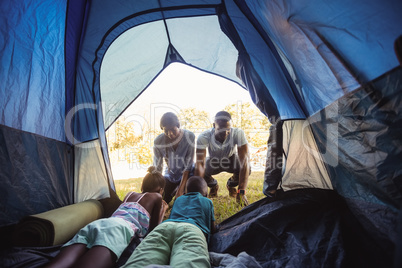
287	233
372	114
330	63
30	171
76	16
357	37
32	64
265	61
35	160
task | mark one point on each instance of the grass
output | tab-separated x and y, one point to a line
224	205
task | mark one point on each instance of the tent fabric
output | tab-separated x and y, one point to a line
274	160
76	16
35	174
247	73
90	170
300	228
371	187
347	42
264	57
303	165
328	63
32	64
197	40
373	115
104	28
22	257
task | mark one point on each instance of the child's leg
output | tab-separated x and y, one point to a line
68	256
154	249
97	256
190	248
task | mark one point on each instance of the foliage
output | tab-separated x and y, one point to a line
124	143
194	120
252	121
256	127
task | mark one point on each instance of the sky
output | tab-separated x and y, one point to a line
178	87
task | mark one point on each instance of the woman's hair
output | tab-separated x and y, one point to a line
169	119
153	180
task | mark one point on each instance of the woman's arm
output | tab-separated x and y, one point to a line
162	211
152	202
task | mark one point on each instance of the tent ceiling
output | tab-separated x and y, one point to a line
138	55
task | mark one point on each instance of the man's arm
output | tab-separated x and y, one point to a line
183	183
189	160
200	162
158	159
244	159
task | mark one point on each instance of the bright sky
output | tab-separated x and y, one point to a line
180	86
177	87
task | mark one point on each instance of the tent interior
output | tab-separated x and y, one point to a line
326	74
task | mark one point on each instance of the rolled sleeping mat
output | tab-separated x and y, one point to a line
56	226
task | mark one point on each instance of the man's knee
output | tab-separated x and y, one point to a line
233	181
211	182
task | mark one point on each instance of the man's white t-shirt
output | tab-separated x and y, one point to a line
219	150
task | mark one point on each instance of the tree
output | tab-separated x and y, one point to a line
194	120
256	127
125	144
252	121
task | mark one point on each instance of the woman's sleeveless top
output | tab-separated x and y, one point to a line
135	214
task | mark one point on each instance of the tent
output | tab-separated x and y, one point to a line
325	73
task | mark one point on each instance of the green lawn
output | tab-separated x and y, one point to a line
225	206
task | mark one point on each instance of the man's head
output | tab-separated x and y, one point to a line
170	125
197	184
222	125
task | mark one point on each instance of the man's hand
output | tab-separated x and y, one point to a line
271	193
242	199
200	162
182	187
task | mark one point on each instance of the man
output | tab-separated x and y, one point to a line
176	147
228	151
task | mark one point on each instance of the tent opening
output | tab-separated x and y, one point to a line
195	96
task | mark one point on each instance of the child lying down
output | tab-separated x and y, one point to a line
100	243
